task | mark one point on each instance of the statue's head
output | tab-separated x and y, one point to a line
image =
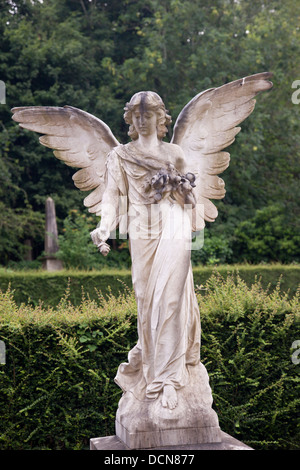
147	100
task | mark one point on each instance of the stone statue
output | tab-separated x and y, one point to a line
159	193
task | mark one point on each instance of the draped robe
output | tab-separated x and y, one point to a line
168	314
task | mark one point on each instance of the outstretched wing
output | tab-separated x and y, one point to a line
207	125
78	138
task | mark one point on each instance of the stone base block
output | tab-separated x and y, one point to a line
52	264
180	436
143	424
228	442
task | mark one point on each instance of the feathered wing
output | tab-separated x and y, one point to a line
78	138
207	125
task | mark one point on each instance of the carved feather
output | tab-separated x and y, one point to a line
77	138
207	125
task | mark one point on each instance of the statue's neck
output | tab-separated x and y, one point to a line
148	144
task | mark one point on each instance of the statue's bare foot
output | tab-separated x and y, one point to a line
169	398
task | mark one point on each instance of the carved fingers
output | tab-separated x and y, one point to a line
99	237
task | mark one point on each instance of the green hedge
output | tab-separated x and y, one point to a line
33	286
57	389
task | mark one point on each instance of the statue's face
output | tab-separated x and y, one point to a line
144	121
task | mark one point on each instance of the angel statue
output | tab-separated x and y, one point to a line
159	193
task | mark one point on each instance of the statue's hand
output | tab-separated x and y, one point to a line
99	237
184	191
104	248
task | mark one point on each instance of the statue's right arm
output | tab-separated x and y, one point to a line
109	206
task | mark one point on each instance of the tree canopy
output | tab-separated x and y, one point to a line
95	54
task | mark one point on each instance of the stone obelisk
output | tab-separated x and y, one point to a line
51	263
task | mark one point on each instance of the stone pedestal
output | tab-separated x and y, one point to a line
149	436
228	442
147	424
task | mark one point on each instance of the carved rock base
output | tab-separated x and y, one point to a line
147	424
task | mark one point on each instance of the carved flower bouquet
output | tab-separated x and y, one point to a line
169	182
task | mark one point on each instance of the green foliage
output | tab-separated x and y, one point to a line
49	287
94	55
16	226
216	250
57	389
76	249
267	236
57	385
247	336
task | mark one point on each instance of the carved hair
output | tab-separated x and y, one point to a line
153	102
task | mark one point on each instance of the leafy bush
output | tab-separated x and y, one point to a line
216	250
57	386
57	389
16	225
76	249
49	287
247	336
268	236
